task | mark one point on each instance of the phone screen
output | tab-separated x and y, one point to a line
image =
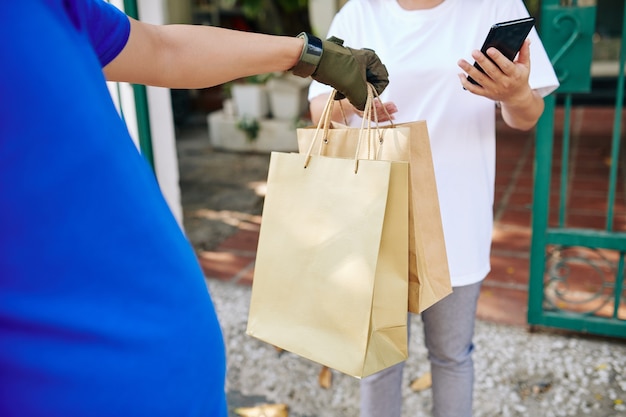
506	37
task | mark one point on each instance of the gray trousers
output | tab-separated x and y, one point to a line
448	333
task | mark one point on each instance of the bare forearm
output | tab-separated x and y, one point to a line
523	114
186	56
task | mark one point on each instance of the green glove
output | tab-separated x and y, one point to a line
345	69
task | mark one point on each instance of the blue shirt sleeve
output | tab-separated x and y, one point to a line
107	26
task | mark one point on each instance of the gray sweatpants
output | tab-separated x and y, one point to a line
448	333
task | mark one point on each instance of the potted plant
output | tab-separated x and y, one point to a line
249	126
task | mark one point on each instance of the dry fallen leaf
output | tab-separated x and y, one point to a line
423	382
325	378
264	410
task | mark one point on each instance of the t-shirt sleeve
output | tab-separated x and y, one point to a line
543	79
108	29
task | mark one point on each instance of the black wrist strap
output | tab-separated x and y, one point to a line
310	57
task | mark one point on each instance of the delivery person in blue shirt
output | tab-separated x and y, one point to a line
104	311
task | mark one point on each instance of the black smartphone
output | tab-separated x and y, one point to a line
506	37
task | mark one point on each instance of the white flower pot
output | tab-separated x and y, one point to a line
288	97
250	100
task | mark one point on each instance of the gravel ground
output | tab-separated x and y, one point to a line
518	374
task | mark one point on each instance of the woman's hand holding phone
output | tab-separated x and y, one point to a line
507	37
501	79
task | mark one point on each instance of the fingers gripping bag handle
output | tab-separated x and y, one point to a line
365	131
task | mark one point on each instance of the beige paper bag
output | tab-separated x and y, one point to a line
429	276
330	281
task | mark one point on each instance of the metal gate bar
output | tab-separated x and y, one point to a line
617	127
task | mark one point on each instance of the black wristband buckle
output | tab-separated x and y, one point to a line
310	57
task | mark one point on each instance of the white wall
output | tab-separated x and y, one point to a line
321	13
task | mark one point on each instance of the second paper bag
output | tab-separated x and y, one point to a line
330	281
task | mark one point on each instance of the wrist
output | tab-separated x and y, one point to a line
521	99
310	56
523	112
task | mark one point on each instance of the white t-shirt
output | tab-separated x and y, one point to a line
420	50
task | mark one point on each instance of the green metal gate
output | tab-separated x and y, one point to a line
576	272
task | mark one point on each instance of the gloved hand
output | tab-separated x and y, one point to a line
345	69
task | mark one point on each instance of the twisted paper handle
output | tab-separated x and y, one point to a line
365	130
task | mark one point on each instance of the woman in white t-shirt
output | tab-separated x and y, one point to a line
428	47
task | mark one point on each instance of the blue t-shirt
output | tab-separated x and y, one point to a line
103	308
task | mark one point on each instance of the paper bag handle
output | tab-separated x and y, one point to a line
368	117
325	119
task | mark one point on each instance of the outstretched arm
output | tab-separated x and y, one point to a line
190	56
187	56
506	82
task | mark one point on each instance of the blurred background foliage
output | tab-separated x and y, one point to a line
278	17
532	6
